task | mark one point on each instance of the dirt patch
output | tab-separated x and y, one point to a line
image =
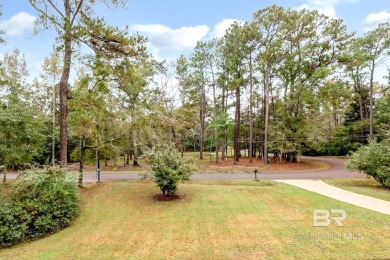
176	196
74	166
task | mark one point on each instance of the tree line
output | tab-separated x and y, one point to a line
288	82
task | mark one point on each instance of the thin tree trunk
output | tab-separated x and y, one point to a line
82	158
215	114
135	161
358	90
266	107
223	148
250	153
372	101
237	126
53	144
202	122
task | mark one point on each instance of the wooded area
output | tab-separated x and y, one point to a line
288	83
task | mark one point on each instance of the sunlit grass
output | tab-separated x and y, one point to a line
214	219
365	186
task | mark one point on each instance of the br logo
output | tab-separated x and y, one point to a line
323	217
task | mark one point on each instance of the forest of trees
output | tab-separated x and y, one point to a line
287	83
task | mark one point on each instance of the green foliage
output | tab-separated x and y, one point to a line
168	168
14	222
21	136
373	160
41	201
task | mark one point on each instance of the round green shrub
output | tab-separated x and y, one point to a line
373	160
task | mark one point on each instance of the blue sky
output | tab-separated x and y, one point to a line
174	26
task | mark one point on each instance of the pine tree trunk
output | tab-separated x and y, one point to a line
202	114
64	88
223	156
237	126
250	153
372	101
266	107
53	141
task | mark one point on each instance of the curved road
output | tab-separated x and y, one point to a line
337	170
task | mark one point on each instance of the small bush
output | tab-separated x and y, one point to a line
168	168
40	202
373	160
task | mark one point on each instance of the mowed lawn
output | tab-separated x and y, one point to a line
214	220
365	186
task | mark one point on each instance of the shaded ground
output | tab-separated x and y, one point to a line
244	165
336	170
206	165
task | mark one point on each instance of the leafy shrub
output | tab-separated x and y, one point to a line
374	160
14	221
168	168
41	201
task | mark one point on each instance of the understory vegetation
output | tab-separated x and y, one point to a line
287	82
39	202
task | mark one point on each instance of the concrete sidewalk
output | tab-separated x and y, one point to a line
356	199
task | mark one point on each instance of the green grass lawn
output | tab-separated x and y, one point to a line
365	186
214	219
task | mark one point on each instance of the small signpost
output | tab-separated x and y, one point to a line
97	166
255	171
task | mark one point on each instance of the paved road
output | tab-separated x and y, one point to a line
336	171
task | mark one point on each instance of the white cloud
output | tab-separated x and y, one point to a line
327	10
164	37
221	27
167	43
373	19
18	24
326	7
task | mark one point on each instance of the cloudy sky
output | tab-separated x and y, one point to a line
174	26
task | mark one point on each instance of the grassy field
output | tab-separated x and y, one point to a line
214	220
365	186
